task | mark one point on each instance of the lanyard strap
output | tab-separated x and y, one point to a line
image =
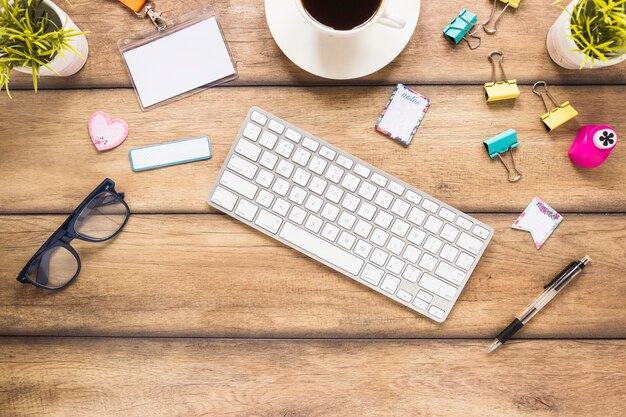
134	5
145	8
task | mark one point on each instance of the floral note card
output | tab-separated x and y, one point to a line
403	114
539	219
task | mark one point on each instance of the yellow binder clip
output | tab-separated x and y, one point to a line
559	114
513	3
500	90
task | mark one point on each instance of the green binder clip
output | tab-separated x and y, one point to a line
501	143
461	27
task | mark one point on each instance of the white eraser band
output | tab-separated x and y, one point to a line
171	153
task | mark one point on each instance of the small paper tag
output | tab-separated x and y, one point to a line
539	219
402	114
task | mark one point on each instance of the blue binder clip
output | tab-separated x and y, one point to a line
501	143
460	27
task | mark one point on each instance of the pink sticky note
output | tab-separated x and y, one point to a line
106	133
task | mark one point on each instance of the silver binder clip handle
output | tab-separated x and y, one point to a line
495	22
473	35
541	94
515	174
157	20
493	65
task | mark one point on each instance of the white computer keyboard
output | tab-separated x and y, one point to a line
349	215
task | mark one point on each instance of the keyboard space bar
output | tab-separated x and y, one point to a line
321	248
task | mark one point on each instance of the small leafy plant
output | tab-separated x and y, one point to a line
599	29
31	35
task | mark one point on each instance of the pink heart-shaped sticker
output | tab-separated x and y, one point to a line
106	133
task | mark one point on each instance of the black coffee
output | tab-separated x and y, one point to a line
341	14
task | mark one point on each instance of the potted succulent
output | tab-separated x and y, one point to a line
589	34
38	38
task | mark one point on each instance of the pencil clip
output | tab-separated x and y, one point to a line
501	143
512	3
460	28
500	90
559	114
149	10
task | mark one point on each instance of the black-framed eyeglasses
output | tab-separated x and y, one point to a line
98	218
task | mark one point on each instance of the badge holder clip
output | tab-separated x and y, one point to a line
500	90
512	3
460	28
559	114
501	143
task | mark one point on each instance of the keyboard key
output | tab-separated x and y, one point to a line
334	194
310	144
413	197
281	206
276	127
433	224
446	214
238	184
404	296
242	166
317	165
362	171
450	273
268	160
346	240
469	243
464	223
350	202
350	182
284	168
322	249
301	157
264	178
259	118
390	284
379	257
428	262
318	185
330	212
416	236
268	221
379	237
395	245
330	232
328	153
411	273
437	312
449	233
423	295
284	148
437	287
433	244
480	232
367	211
281	186
395	265
301	177
449	252
421	304
395	188
363	229
367	190
247	149
379	179
372	274
313	223
293	135
412	254
268	140
334	174
363	249
224	198
400	227
344	161
417	216
383	199
430	206
251	131
465	261
400	208
265	198
313	203
346	220
297	215
297	195
246	210
383	219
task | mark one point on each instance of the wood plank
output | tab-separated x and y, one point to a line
49	164
428	58
208	275
191	377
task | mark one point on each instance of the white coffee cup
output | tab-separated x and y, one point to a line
382	16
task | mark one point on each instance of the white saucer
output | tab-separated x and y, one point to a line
339	58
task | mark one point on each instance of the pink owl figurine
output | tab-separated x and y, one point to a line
592	145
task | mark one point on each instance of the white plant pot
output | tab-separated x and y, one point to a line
563	49
69	63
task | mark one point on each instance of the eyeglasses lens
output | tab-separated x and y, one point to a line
102	217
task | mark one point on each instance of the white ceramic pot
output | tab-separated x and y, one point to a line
69	63
563	49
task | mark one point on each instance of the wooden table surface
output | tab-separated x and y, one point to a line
189	313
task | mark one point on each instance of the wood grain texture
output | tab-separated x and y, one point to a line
209	275
183	377
48	166
428	58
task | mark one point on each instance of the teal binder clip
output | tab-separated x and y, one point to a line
501	143
460	27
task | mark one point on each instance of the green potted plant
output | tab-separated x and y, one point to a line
38	38
589	34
